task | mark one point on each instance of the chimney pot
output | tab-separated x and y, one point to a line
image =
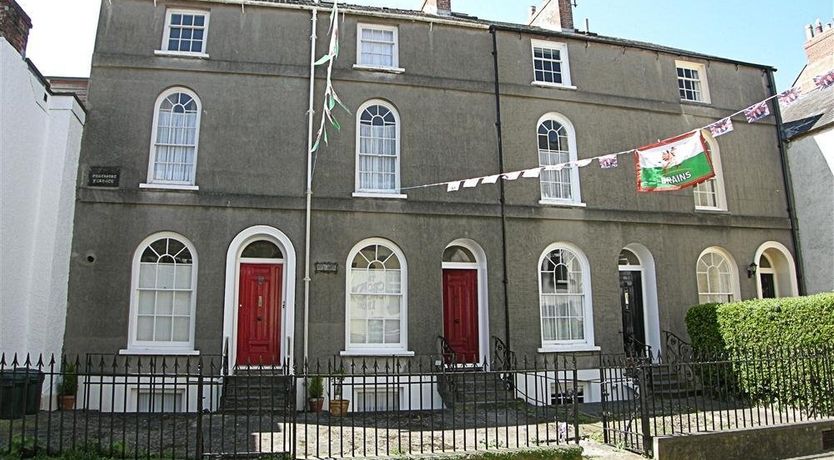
532	12
809	32
818	26
14	25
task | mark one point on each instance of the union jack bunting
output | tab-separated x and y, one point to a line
721	127
790	96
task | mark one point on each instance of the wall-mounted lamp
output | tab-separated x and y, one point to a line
751	269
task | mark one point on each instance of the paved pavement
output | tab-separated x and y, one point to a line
596	451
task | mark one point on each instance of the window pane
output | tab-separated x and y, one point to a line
144	328
162	331
182	303
147	302
262	250
181	332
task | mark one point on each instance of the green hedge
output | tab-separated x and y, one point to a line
770	323
780	350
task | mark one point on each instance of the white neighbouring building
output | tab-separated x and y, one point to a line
40	139
809	128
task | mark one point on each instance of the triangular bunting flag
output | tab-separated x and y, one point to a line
470	183
531	173
453	186
491	179
512	175
721	127
608	161
790	96
756	112
583	163
825	81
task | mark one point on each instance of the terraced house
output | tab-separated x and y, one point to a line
200	109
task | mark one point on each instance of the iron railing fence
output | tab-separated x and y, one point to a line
646	396
433	404
200	406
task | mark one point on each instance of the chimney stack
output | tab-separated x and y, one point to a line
437	7
820	42
553	15
14	25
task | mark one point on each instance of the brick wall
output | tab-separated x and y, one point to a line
820	46
566	14
14	25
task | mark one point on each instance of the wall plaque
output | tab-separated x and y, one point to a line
103	176
327	267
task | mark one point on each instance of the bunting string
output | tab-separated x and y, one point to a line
752	114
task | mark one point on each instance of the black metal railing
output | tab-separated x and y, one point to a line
743	388
205	406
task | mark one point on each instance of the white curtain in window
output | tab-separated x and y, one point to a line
164	292
715	279
562	299
377	48
176	140
375	297
554	149
378	146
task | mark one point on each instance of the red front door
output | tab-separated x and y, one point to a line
259	315
460	313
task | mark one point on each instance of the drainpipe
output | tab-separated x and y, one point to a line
786	174
309	192
500	141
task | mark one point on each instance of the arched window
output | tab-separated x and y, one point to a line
163	295
565	297
376	297
557	145
717	277
710	195
176	133
378	149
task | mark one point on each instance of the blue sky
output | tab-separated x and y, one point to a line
761	31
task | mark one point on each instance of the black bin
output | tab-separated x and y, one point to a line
20	392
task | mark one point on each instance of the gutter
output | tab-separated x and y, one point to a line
500	144
788	182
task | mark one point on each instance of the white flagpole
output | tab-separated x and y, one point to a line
309	191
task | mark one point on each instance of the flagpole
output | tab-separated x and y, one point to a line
309	189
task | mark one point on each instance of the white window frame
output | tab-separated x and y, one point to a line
391	394
549	346
576	193
166	35
562	47
367	193
733	274
395	57
717	180
175	185
558	398
394	349
702	79
135	346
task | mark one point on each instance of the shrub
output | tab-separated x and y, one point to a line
69	383
780	348
316	389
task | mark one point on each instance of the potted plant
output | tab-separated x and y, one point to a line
68	388
316	391
338	405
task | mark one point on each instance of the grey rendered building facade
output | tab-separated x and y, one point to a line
250	78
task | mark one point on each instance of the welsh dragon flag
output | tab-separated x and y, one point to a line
673	164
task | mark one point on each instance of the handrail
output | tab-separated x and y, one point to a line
445	350
503	358
225	362
677	349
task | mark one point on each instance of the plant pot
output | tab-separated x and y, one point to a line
339	407
66	402
316	404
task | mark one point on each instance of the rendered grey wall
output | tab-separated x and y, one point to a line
251	169
813	179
